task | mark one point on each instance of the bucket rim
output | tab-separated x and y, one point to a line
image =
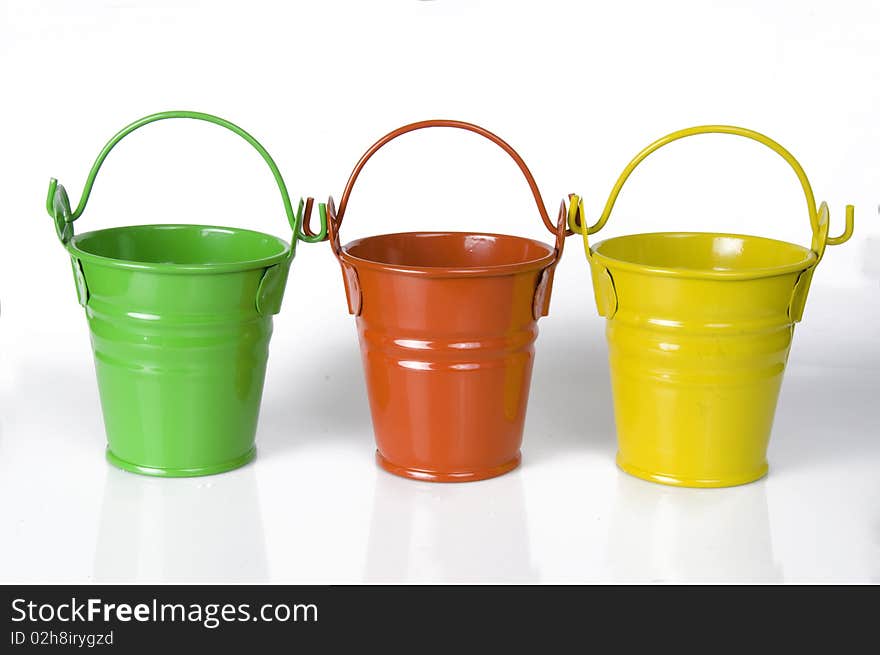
451	271
809	259
166	267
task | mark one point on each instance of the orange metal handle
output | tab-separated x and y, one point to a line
336	215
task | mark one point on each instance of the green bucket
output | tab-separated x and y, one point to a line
180	319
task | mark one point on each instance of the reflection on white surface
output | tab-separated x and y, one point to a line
435	532
669	534
205	529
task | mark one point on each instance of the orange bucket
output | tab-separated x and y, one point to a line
447	323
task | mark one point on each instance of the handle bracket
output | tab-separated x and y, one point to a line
58	206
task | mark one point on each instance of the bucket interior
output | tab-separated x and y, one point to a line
450	250
185	245
704	252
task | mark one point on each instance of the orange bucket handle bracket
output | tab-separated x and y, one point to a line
334	216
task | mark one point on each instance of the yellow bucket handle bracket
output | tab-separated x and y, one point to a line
603	284
819	219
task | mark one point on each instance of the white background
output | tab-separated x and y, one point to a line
578	88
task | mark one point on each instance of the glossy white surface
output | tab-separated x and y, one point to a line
577	88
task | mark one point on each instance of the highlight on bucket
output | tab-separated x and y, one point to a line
447	323
699	327
180	319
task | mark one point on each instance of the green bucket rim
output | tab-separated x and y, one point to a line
809	259
172	268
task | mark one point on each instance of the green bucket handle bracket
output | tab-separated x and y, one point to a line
819	218
269	294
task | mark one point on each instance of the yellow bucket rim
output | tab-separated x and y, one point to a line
807	260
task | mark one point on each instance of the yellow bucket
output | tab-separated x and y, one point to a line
699	327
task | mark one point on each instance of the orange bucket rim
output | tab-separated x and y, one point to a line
525	265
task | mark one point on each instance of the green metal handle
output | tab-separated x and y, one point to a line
818	217
58	204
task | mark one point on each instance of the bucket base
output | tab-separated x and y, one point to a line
445	476
181	473
676	481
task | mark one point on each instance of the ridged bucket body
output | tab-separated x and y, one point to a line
447	338
180	351
697	354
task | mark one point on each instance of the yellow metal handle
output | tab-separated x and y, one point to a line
818	218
